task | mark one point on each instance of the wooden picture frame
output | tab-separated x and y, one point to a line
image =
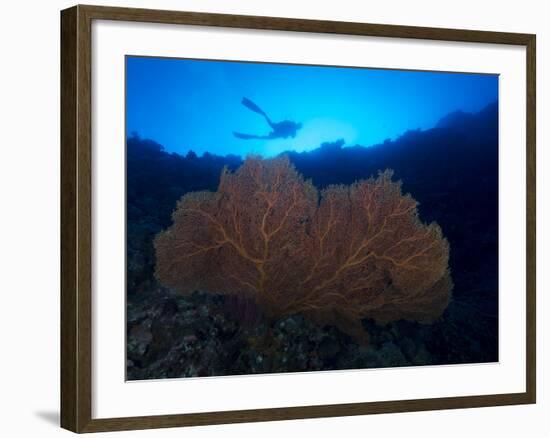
76	218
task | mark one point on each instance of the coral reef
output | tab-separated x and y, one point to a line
348	253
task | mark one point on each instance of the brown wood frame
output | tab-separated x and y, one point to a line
76	174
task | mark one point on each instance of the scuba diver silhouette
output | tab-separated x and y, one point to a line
283	129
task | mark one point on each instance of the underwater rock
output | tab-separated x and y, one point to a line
189	336
329	349
139	338
390	355
408	347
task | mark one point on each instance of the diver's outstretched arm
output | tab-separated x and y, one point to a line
253	107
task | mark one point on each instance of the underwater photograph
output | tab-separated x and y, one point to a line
296	218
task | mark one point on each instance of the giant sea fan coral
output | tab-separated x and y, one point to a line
351	252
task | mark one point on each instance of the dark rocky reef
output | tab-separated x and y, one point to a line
452	170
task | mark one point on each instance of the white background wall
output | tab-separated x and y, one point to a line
29	216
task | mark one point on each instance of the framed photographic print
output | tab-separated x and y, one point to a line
268	218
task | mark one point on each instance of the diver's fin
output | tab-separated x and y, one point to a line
252	106
246	136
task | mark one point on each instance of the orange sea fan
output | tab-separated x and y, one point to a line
351	252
